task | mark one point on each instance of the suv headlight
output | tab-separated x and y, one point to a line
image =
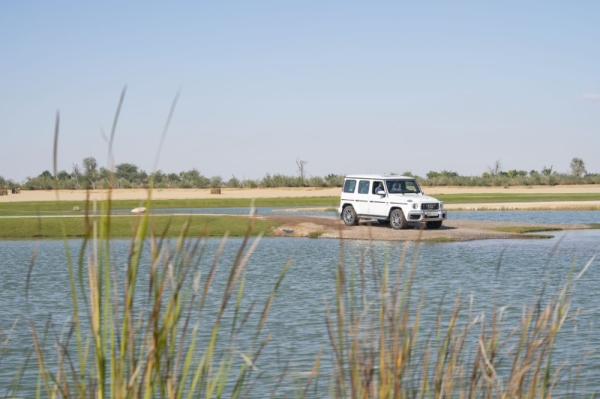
415	206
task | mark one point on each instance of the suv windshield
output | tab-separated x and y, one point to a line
402	186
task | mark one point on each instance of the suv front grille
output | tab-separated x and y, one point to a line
430	206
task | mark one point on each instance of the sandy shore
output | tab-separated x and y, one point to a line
452	230
163	194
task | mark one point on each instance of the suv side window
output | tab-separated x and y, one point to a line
363	187
411	186
377	184
349	186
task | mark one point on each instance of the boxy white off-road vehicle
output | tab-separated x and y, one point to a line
397	200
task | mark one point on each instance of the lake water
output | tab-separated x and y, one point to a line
513	273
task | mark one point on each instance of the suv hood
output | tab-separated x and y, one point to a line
414	197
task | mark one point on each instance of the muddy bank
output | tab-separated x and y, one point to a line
452	230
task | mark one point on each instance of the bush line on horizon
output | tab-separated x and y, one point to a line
128	175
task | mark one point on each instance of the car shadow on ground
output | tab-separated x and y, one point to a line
411	226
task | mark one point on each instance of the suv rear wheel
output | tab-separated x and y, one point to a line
349	216
397	219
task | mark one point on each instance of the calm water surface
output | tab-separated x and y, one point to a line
529	216
513	273
508	216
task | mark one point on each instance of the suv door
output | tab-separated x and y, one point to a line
378	203
361	204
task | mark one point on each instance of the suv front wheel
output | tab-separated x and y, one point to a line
349	216
397	219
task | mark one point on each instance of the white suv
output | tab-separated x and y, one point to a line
396	200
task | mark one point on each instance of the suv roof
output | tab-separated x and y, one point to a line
377	177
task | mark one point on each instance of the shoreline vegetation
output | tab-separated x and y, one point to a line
90	175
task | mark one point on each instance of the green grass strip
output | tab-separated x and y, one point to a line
515	197
66	207
125	226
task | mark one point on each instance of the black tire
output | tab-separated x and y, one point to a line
434	225
349	216
397	219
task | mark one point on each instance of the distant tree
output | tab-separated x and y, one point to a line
316	181
192	174
267	181
448	173
193	178
46	174
547	171
333	180
578	167
432	174
216	182
233	182
495	169
63	175
76	174
158	177
173	177
89	165
105	175
126	171
141	178
89	171
301	169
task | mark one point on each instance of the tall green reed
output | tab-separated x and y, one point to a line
144	341
381	351
124	349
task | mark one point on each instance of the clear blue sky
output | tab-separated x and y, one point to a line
348	86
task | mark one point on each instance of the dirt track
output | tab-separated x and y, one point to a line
452	230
